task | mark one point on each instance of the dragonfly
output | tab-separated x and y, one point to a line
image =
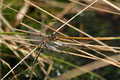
51	41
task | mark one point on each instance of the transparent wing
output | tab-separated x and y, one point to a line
35	37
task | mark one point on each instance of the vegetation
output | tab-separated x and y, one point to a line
86	31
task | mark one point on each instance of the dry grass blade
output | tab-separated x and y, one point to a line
66	10
96	8
48	71
6	22
111	61
19	16
117	62
31	74
89	57
109	3
4	62
86	38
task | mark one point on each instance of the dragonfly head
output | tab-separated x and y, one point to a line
52	37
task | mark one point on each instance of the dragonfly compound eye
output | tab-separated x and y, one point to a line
52	37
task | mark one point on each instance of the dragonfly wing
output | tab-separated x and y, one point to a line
55	45
43	28
35	37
